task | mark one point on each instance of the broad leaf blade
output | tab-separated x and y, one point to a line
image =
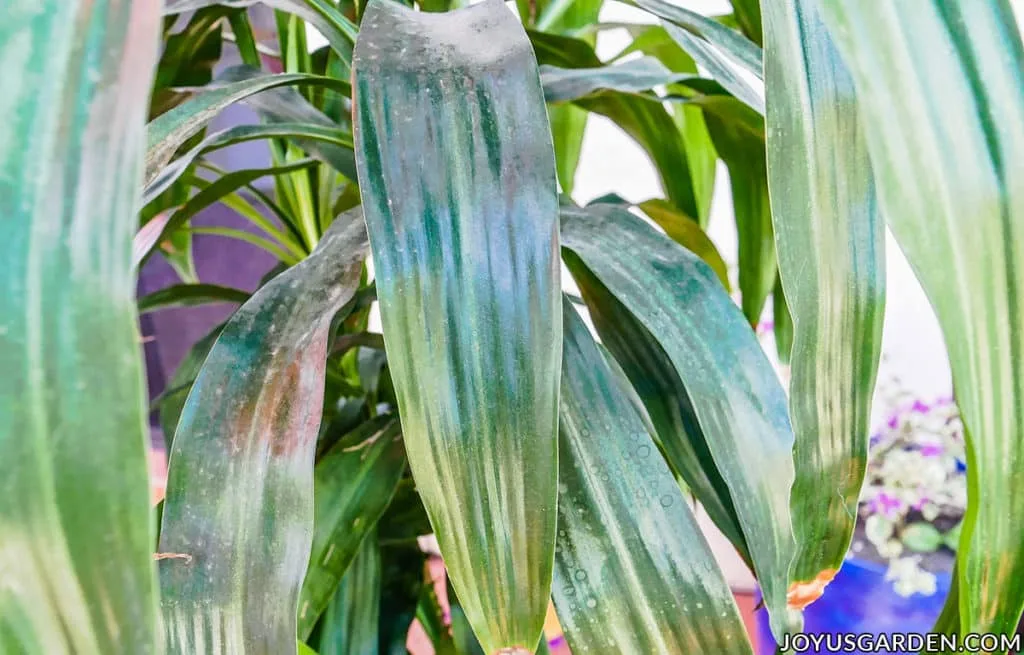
76	536
237	521
458	185
940	90
649	370
353	484
633	573
735	393
830	240
352	620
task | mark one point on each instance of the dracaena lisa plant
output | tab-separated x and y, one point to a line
545	439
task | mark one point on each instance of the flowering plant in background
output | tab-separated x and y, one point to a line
915	492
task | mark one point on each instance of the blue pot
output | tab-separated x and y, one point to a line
860	600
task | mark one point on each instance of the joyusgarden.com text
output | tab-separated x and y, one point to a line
900	642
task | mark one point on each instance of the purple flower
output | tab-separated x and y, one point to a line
894	421
920	407
931	449
885	504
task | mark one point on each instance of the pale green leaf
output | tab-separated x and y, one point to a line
830	240
457	176
76	533
940	88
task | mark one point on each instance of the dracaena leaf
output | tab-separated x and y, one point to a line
169	131
830	241
457	175
633	76
730	57
351	622
940	93
190	295
76	537
622	585
238	517
353	484
736	396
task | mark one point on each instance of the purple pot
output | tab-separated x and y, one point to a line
860	601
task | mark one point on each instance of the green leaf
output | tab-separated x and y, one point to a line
172	400
732	128
325	16
730	57
689	118
568	123
170	131
649	370
307	134
831	248
621	586
351	622
783	324
458	183
304	649
633	76
238	518
402	579
940	92
921	537
77	533
218	190
736	396
353	484
748	15
644	119
188	57
190	295
686	232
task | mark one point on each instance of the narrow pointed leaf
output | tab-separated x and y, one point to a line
830	240
730	57
353	484
736	396
458	184
738	135
352	620
168	132
748	15
633	76
940	89
633	573
75	528
190	295
238	518
305	133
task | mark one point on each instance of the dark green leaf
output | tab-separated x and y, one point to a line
940	93
172	400
402	578
782	324
686	232
353	484
736	396
457	176
189	295
622	585
748	16
244	449
352	619
77	533
831	248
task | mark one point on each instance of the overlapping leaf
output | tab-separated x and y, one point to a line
75	529
735	394
633	573
458	183
353	484
352	621
941	95
830	240
238	517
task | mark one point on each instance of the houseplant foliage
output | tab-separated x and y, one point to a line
414	163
